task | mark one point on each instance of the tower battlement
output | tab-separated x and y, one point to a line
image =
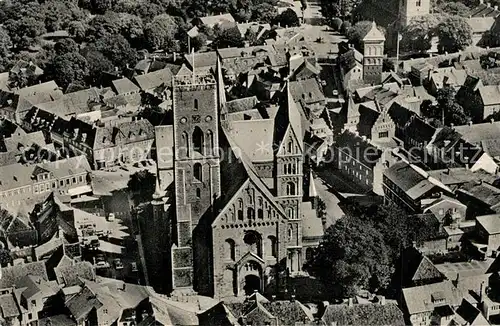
194	82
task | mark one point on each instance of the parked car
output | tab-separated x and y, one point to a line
102	264
118	263
134	266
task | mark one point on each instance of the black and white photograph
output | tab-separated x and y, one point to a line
249	162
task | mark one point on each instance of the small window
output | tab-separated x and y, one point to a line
67	181
33	302
30	316
198	193
196	104
61	183
418	3
383	134
74	180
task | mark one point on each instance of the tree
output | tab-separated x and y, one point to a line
453	8
65	46
417	36
160	33
352	256
288	18
5	258
199	41
336	23
58	14
142	185
77	30
264	13
454	34
25	31
251	36
5	48
447	108
117	49
130	26
97	65
228	37
67	68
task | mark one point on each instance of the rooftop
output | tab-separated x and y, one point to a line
491	223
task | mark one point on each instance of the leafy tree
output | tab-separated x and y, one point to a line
447	108
25	31
77	30
288	18
336	23
264	13
454	34
65	46
130	26
418	34
228	37
199	41
103	25
142	185
5	258
117	49
5	48
67	68
352	256
251	37
97	65
454	8
160	33
58	14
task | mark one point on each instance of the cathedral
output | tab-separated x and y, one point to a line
230	210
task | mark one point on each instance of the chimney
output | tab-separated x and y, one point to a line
457	279
116	69
469	123
175	56
488	4
482	292
492	120
124	286
381	300
496	7
350	302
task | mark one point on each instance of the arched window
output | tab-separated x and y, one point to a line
250	213
210	143
198	140
290	189
196	104
309	253
198	172
294	171
185	143
230	249
240	209
198	193
291	213
260	213
253	240
272	249
290	147
290	233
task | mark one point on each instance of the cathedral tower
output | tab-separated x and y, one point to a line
373	56
409	9
197	176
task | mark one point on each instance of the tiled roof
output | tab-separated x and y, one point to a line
491	223
354	144
154	79
312	226
217	19
124	86
26	140
254	138
72	103
37	285
449	76
203	59
70	275
481	24
374	34
164	146
82	303
490	94
484	10
124	133
9	306
419	299
241	104
13	274
364	314
307	91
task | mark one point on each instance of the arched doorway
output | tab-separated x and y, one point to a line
252	284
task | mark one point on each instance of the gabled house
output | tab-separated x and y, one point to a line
382	313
